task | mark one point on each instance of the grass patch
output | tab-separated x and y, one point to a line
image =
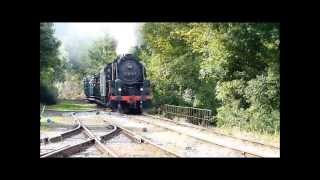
56	119
266	138
68	105
272	139
45	125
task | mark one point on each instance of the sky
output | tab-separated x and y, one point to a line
124	33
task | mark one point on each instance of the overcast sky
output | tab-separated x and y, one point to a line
124	33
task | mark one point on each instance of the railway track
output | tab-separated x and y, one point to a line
213	131
117	141
74	142
209	130
125	143
61	141
244	152
109	141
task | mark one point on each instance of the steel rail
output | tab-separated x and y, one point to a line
133	136
63	135
100	146
94	140
54	150
213	131
69	150
243	153
141	139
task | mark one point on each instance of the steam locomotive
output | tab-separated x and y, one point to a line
121	85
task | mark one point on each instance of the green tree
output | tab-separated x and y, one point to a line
51	66
231	68
102	52
84	57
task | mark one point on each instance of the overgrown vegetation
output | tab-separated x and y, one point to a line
62	68
93	58
231	68
87	60
51	64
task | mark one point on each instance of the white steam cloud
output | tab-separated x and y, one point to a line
124	33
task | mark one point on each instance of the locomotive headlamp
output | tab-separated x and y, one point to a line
119	89
141	89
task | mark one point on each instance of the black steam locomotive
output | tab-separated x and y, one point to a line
121	85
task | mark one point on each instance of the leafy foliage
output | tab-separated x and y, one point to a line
48	94
90	58
231	68
51	64
102	52
84	58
